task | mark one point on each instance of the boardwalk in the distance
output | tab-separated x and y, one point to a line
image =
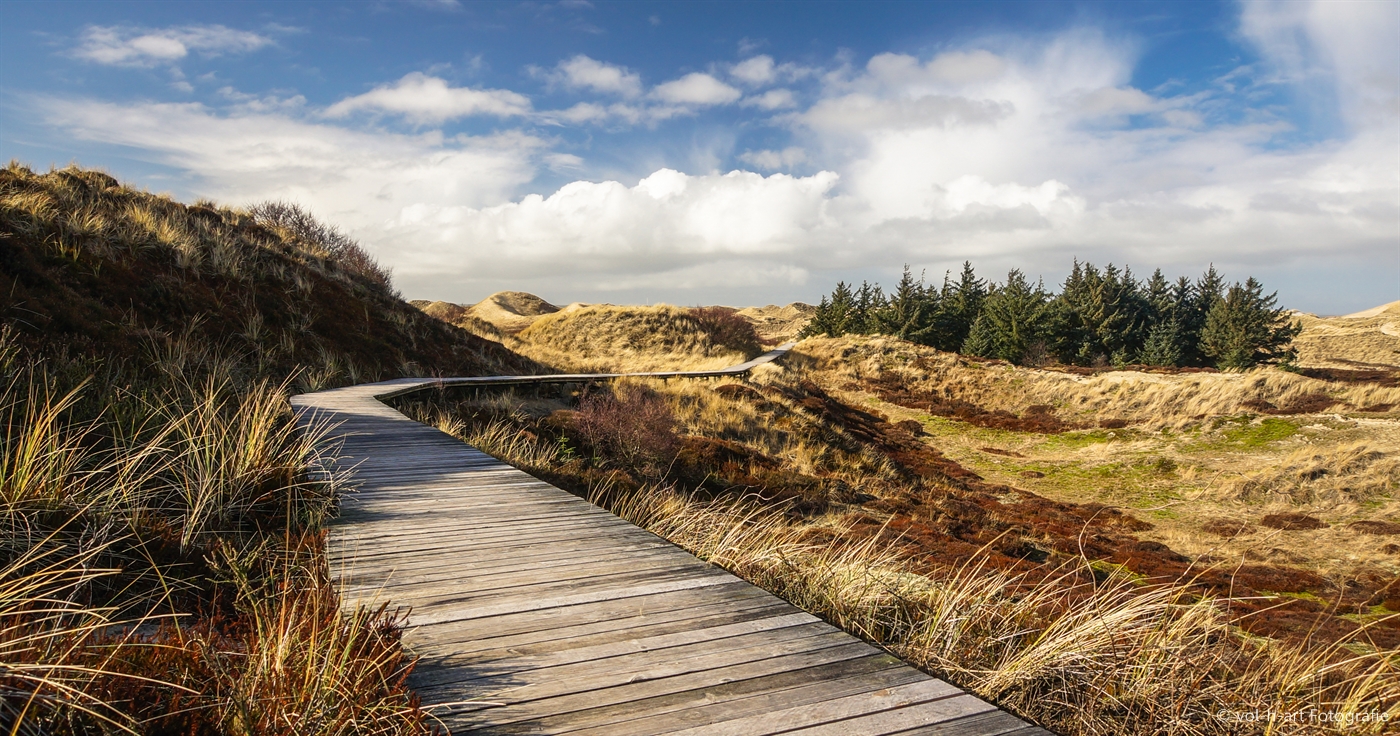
535	612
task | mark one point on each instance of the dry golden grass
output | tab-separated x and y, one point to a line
162	568
122	507
1370	338
1147	400
601	338
1080	653
1349	474
779	324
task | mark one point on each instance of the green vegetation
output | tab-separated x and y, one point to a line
1257	434
1099	317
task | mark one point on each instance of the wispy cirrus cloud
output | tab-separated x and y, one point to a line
768	160
135	46
448	6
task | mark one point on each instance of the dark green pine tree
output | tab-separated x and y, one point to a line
1208	290
1066	331
1012	320
820	323
833	316
908	313
1246	328
1163	344
865	305
1158	294
1127	316
959	306
1099	316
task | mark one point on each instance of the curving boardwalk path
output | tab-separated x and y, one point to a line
535	612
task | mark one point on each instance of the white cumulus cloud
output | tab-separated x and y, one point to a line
426	99
697	88
758	70
582	72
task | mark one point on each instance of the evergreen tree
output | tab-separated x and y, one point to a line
960	305
1245	328
1011	321
908	313
1163	345
981	339
820	322
833	316
1099	315
1159	299
1065	325
1207	292
866	303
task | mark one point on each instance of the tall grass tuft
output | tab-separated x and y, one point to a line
308	667
1084	651
53	652
162	568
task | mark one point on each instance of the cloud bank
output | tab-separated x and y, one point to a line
1012	152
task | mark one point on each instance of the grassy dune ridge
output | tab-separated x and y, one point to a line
603	338
162	568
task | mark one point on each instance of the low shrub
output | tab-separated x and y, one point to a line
632	426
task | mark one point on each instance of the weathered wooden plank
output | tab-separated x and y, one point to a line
488	561
525	584
727	700
901	717
605	615
638	653
563	566
838	711
427	613
989	723
543	641
643	687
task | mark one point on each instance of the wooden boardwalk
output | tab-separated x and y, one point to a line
535	612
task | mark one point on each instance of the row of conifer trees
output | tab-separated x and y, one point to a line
1099	317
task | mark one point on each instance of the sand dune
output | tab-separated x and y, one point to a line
1369	338
1392	308
511	312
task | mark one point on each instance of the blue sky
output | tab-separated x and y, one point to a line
749	153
